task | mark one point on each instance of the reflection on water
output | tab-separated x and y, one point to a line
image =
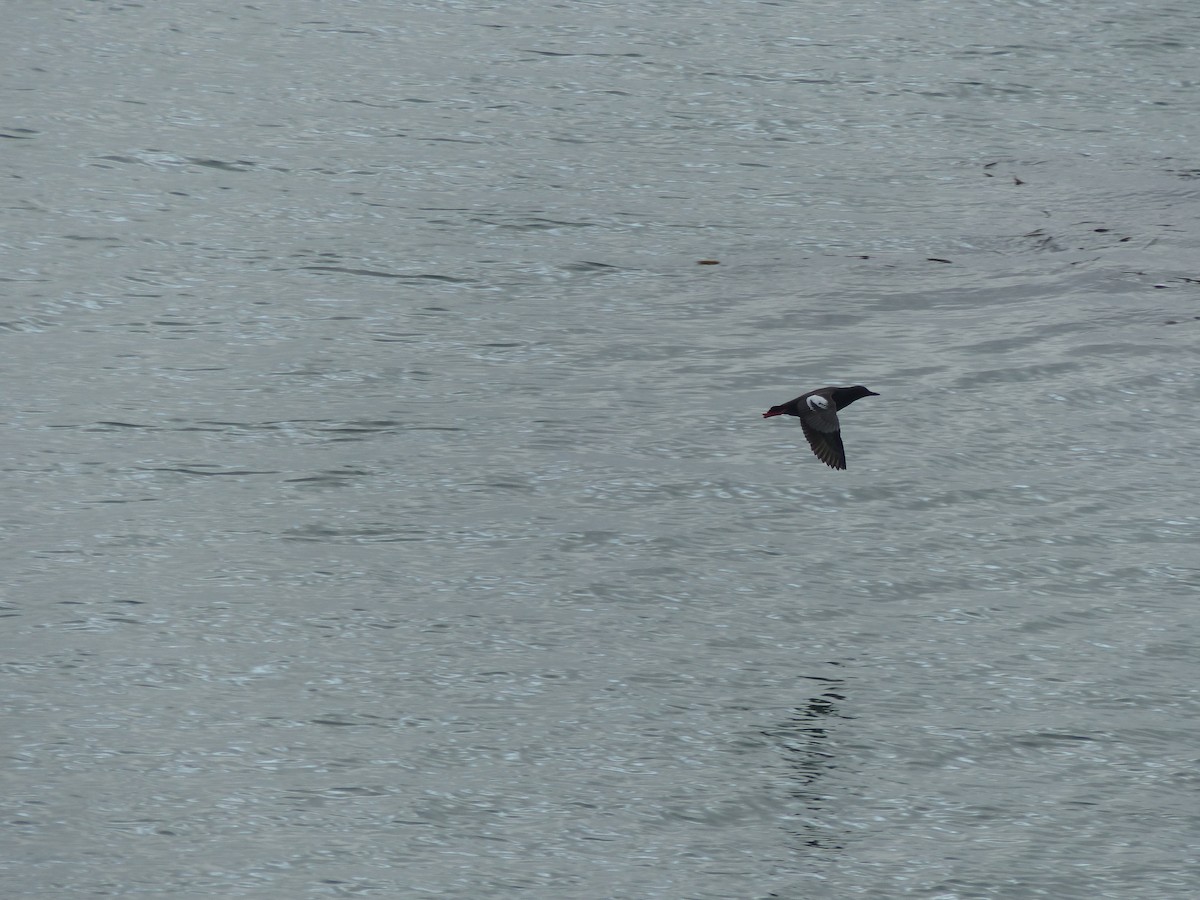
805	741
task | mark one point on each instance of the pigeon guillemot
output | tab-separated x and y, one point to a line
817	411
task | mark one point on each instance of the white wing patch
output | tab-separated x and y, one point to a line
818	402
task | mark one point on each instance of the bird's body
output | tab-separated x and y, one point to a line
817	411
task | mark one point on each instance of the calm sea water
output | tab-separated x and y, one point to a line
388	509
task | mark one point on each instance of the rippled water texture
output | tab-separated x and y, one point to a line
388	507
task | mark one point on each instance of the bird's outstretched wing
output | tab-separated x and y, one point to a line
825	438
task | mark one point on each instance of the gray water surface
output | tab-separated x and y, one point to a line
388	507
